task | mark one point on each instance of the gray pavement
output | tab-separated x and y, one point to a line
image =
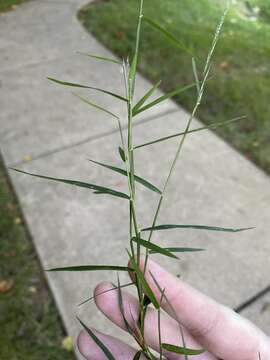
44	124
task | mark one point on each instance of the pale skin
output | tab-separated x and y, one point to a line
206	323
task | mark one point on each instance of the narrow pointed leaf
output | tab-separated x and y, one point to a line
179	249
66	83
96	188
212	126
146	97
137	355
91	268
121	306
154	247
146	288
95	105
103	292
122	154
196	227
182	350
163	98
99	343
101	58
124	172
167	34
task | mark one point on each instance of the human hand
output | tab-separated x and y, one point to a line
206	324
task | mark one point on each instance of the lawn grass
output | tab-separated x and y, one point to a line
30	326
6	5
241	69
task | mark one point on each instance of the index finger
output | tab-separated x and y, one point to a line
219	329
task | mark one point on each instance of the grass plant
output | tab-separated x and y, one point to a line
6	5
139	246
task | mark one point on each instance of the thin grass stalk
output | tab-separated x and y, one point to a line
173	311
159	327
197	104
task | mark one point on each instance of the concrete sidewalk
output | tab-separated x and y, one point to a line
56	133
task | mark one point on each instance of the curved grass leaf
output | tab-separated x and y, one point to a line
95	105
167	34
103	292
91	268
66	83
181	350
137	355
145	97
140	180
179	249
212	126
99	343
146	288
163	98
100	58
121	306
98	189
122	154
155	248
196	227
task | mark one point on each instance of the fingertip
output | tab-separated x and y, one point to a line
84	344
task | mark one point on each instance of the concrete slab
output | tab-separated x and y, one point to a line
39	117
212	186
41	31
41	39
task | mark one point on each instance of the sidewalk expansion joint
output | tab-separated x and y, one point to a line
90	139
252	300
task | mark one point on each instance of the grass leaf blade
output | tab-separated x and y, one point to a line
163	98
103	292
137	355
145	97
96	188
140	180
95	105
122	154
155	248
103	58
66	83
99	343
146	288
181	350
207	127
179	249
91	268
195	227
167	34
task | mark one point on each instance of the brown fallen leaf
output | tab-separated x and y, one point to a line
6	285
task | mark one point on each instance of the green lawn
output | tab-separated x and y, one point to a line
241	69
6	5
30	327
